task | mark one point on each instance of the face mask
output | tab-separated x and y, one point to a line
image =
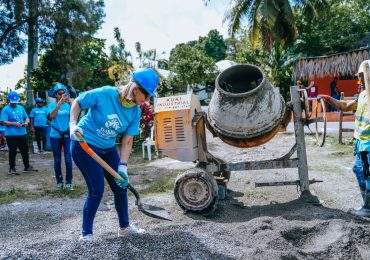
127	103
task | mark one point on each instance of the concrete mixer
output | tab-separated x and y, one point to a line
245	111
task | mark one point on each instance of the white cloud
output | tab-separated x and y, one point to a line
157	25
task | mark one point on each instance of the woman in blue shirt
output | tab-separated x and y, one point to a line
111	111
59	112
38	118
15	119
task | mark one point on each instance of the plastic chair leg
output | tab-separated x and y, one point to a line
143	148
149	152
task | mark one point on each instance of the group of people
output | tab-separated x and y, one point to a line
15	120
111	111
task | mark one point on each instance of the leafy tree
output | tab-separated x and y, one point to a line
63	23
75	23
213	45
163	64
270	21
92	66
90	70
191	66
121	64
342	28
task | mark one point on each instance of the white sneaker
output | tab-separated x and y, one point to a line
130	230
88	238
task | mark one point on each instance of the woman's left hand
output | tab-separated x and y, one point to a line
122	171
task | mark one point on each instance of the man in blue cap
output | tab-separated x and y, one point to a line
38	118
15	119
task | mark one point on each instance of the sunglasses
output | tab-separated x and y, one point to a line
60	93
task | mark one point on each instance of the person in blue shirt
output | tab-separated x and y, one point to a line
334	92
15	119
111	111
38	117
58	113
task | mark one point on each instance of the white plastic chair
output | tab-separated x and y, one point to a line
148	143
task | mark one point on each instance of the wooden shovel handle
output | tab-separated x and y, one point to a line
97	158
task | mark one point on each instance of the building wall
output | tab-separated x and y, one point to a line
349	87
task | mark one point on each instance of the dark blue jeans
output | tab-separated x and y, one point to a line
40	134
357	169
56	145
94	176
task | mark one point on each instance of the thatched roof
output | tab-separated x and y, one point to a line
344	64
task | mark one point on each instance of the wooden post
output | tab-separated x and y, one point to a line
301	148
367	85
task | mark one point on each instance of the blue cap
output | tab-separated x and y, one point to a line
147	78
13	97
59	86
39	100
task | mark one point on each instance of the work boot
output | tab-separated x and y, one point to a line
130	230
365	210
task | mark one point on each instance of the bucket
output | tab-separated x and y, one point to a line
245	109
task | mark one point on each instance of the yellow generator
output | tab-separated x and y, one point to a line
174	134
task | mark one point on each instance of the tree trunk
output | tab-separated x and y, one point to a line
32	62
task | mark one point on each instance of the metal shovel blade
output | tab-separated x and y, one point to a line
154	212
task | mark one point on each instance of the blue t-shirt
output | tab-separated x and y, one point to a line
17	114
60	121
39	116
107	117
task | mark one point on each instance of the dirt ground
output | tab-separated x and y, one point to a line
252	223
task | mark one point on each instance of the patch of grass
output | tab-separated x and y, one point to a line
78	191
162	185
11	195
256	194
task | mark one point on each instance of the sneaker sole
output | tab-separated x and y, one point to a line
14	173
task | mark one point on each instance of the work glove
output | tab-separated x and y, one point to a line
74	129
324	97
122	171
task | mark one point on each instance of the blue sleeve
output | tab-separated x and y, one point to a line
32	114
90	98
134	127
51	107
4	115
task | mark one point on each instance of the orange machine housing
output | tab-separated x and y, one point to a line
175	135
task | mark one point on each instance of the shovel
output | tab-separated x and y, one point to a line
149	210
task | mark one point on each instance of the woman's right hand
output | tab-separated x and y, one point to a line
62	100
74	129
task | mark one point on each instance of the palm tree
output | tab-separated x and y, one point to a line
270	20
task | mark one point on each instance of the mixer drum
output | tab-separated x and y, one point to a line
245	109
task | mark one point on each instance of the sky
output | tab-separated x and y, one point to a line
157	25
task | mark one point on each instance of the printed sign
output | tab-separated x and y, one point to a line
173	103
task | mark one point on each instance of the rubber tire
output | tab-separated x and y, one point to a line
198	173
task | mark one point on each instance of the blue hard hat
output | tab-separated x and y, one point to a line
59	86
13	97
39	100
147	78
